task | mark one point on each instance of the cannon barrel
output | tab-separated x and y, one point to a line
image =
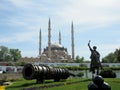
43	72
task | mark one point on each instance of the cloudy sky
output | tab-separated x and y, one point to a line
95	20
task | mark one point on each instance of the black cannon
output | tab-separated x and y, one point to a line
43	72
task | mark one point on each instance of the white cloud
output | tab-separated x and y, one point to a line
19	37
87	11
103	3
5	40
15	22
21	3
91	11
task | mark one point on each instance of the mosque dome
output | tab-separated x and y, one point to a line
44	55
56	45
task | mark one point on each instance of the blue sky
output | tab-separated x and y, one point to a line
95	20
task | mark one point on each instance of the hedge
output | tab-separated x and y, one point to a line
86	68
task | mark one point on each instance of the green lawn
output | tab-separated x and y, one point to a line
80	85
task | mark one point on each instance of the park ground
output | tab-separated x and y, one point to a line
69	84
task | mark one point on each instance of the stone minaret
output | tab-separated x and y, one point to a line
59	37
49	39
40	43
72	38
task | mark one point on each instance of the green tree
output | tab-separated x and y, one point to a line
79	59
117	53
110	58
15	54
3	53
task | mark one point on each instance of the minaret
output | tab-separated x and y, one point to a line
72	38
59	37
49	39
40	42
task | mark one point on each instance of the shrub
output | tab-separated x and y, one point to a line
80	74
108	74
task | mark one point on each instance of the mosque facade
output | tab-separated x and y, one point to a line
55	52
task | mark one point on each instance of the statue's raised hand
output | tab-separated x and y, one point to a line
89	42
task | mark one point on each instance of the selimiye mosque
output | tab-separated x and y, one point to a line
56	52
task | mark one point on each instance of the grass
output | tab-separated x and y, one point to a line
77	86
81	85
114	83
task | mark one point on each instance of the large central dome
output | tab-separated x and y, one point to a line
56	45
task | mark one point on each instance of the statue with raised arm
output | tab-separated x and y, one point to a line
95	59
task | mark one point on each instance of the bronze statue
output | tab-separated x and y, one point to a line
95	59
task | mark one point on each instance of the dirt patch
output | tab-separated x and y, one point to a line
5	77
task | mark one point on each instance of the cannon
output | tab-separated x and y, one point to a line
43	72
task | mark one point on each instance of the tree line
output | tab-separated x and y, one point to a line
13	55
112	57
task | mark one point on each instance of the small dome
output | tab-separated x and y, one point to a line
61	58
43	55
